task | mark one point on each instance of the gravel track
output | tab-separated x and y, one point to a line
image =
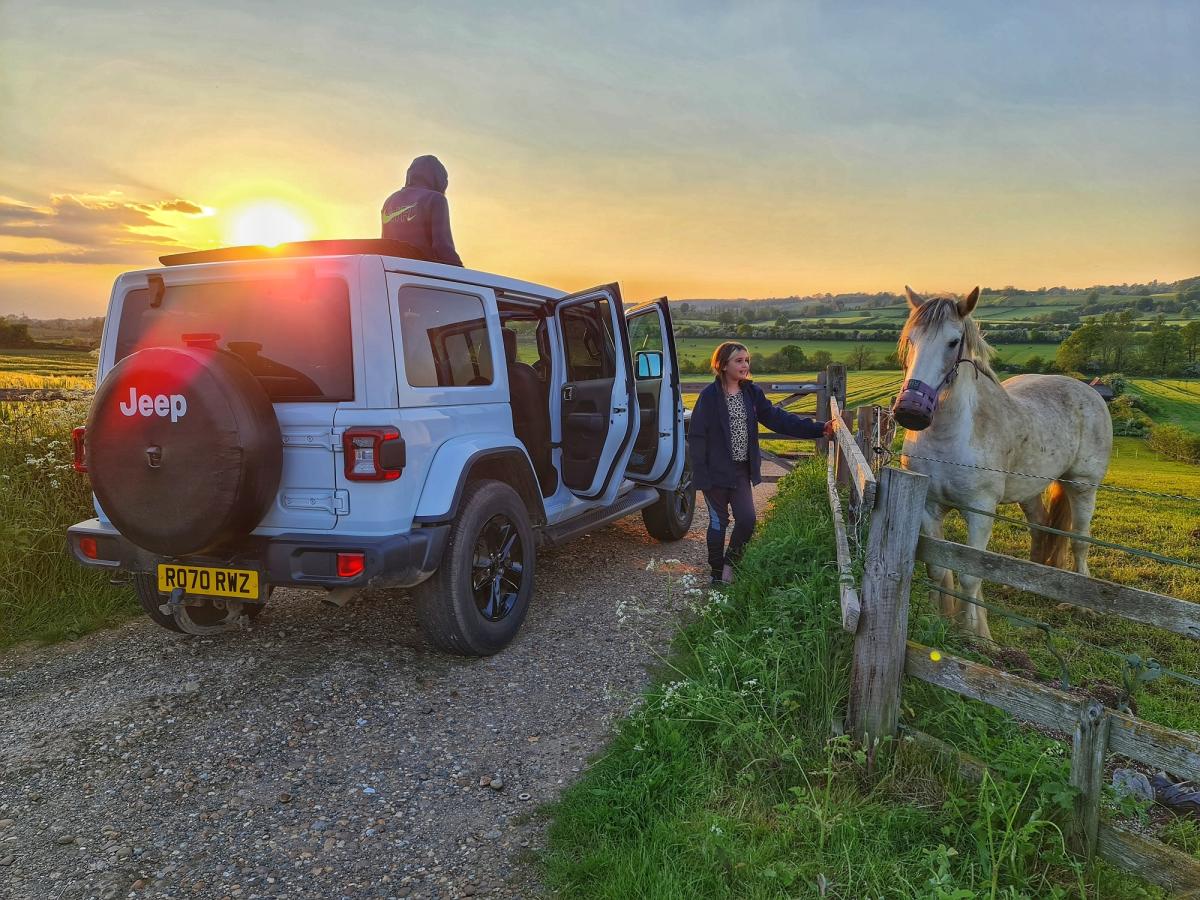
323	752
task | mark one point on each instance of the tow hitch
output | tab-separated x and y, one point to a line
176	607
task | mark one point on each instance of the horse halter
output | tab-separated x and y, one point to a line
917	401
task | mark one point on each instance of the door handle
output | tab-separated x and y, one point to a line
568	392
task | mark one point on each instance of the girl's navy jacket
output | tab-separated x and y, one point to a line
708	437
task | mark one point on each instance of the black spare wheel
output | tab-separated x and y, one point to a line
183	449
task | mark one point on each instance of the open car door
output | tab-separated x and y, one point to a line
658	448
596	422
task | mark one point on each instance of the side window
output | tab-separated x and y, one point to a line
588	337
445	335
528	349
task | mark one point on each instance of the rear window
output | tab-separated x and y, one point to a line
294	335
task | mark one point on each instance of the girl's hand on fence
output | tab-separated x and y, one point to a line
828	432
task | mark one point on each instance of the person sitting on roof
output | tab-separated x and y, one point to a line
418	213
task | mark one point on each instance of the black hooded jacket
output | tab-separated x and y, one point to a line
418	213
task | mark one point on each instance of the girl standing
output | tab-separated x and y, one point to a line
723	444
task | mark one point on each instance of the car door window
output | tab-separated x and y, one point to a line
589	342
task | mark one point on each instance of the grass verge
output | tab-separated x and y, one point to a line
44	594
725	781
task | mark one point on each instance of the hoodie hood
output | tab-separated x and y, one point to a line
427	172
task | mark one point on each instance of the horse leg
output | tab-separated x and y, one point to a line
1083	505
931	525
1035	512
979	532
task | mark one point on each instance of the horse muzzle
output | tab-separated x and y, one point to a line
915	405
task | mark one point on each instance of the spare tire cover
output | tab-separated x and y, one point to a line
183	449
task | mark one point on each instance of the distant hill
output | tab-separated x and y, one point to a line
1053	305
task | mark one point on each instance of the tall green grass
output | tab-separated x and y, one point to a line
730	779
45	595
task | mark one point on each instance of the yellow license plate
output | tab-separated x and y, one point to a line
240	583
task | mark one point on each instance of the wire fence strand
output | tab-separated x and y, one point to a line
1075	535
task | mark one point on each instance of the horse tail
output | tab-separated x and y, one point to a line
1051	549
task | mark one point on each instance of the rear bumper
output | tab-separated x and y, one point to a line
303	560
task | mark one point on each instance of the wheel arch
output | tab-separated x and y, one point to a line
476	460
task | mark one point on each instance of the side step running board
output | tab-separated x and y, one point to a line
638	498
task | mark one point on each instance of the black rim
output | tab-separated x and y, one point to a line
685	497
498	568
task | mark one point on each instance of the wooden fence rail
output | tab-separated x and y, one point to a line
850	460
1159	610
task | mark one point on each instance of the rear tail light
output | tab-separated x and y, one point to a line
373	454
80	450
87	546
350	564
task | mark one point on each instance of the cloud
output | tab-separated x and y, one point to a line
183	206
91	229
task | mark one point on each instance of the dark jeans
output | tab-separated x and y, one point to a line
719	501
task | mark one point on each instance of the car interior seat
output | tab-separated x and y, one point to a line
531	413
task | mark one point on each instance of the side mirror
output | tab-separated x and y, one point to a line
648	363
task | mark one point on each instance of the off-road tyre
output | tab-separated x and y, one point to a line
202	613
451	603
670	516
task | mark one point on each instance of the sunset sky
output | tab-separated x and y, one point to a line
692	149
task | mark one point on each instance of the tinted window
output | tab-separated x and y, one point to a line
588	337
445	336
293	334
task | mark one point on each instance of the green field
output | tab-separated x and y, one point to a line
699	350
48	369
48	362
1175	400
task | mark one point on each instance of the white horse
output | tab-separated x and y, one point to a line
967	432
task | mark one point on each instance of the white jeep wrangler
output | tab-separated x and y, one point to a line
335	414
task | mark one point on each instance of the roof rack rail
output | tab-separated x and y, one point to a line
346	247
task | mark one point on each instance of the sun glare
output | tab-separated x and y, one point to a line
268	224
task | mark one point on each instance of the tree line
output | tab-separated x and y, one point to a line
1112	343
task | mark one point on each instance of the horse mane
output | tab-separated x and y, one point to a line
933	313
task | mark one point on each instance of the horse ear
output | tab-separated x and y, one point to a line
967	303
914	299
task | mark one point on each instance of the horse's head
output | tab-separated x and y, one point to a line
938	336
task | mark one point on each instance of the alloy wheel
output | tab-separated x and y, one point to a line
498	568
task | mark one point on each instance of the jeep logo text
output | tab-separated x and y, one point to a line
174	405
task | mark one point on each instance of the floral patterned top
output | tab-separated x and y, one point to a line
739	431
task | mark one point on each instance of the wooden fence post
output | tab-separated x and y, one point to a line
866	428
1088	747
822	445
879	646
835	383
